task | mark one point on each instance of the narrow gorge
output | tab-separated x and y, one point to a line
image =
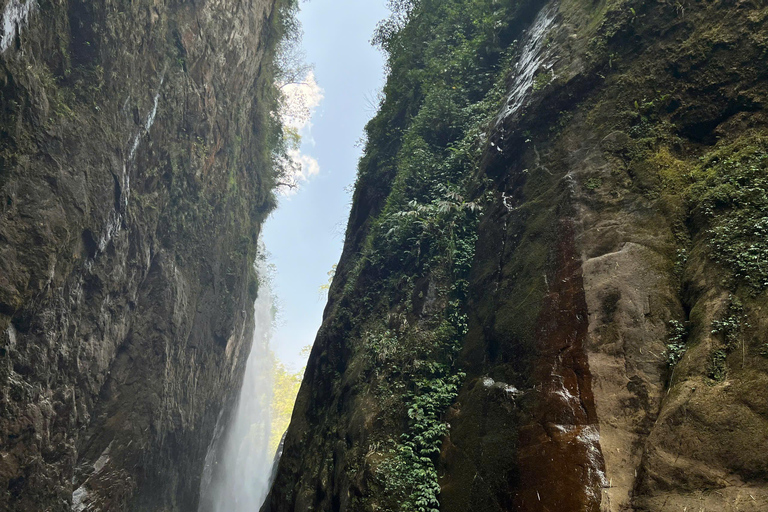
550	296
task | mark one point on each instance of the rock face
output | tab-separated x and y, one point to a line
553	285
134	176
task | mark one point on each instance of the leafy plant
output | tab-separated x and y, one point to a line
593	183
680	261
732	192
541	80
411	470
448	62
416	228
381	346
717	368
730	325
676	341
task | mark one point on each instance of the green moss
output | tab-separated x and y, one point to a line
723	194
593	183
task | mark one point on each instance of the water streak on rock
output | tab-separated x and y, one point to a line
148	123
531	60
15	17
560	447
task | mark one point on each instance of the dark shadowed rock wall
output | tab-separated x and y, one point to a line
553	289
134	176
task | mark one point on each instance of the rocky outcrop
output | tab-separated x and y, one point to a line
551	292
134	176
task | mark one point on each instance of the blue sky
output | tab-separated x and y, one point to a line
305	234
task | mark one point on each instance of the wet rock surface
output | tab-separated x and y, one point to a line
132	189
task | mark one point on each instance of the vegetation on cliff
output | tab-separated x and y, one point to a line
549	193
286	385
403	299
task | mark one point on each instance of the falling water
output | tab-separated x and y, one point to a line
237	473
531	61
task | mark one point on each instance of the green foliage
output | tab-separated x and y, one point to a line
327	286
732	193
730	326
282	37
541	80
433	229
439	236
680	262
286	386
717	368
676	342
448	62
593	183
381	346
410	471
444	60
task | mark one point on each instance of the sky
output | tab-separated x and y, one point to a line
305	234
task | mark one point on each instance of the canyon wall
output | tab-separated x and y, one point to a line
135	172
552	287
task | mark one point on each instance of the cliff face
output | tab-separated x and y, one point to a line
134	175
552	289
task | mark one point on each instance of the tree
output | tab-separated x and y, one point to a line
286	387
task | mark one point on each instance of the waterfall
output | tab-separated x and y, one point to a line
531	61
239	465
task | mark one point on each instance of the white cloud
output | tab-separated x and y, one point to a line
310	166
301	168
300	100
